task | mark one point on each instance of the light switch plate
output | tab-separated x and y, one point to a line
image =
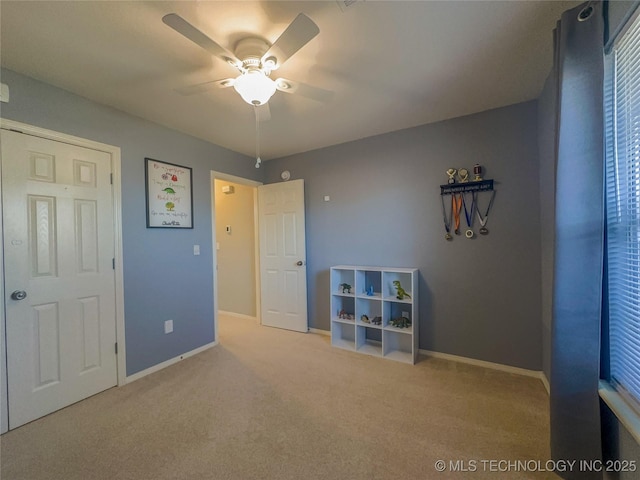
196	249
4	93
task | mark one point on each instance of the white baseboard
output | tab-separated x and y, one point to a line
237	315
320	332
494	366
545	382
167	363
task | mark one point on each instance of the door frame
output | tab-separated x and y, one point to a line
250	183
114	152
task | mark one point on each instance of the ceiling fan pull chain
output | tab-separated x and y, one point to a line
258	160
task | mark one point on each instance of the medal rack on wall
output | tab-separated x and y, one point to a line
459	202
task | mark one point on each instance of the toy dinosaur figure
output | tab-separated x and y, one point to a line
401	291
346	288
400	322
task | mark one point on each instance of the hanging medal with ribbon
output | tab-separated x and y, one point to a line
456	207
483	220
468	214
447	221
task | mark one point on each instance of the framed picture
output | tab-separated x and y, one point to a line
169	191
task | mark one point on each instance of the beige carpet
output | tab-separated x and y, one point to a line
273	404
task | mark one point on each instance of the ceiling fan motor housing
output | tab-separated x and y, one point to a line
250	51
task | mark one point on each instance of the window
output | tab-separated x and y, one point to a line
623	212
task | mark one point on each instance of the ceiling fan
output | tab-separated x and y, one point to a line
255	59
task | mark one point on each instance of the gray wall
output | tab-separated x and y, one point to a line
162	278
479	298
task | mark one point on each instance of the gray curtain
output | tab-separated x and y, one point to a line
579	229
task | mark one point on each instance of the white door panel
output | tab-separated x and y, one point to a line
59	249
283	271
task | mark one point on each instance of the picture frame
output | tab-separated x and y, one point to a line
169	194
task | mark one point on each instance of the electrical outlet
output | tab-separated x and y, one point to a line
168	326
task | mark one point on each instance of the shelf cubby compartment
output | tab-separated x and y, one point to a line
371	307
367	280
340	303
398	345
369	340
343	335
341	276
397	309
388	289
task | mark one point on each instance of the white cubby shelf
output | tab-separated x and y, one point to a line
373	294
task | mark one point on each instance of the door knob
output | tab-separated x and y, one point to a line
299	263
19	295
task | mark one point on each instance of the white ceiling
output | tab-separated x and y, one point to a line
390	65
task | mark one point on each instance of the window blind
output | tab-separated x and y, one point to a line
623	211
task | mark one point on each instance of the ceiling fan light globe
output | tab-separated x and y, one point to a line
255	87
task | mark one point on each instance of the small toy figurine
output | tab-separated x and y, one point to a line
401	291
342	315
370	291
365	319
346	288
401	322
377	320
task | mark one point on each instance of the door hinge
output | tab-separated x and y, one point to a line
116	348
111	178
113	263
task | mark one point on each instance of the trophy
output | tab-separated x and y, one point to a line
463	173
452	175
477	171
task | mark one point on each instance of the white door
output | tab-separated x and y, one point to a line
59	249
283	271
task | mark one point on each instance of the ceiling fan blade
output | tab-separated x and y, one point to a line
183	27
263	112
314	93
205	87
296	36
